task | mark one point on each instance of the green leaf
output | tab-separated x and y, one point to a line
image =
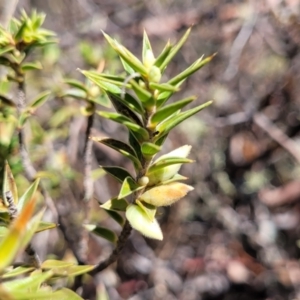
54	264
140	221
116	216
122	148
145	96
117	172
28	194
102	232
161	58
36	65
150	210
141	133
198	64
45	226
129	101
9	185
75	93
126	66
163	87
12	242
126	55
6	49
167	162
17	272
133	142
28	283
146	45
166	111
150	149
115	204
174	50
76	84
123	109
39	100
176	177
165	127
7	101
128	187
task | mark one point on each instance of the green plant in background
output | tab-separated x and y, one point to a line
140	99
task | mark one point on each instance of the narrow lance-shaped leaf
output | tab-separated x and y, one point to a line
102	232
76	84
163	55
147	54
9	184
121	147
115	204
165	127
150	149
145	96
128	187
163	87
28	194
117	172
116	216
36	65
141	133
174	50
126	55
129	101
39	100
198	64
123	109
7	101
10	245
139	221
166	111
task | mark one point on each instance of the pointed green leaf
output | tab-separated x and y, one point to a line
39	100
7	101
122	148
54	264
115	204
163	55
163	87
28	194
150	210
76	84
147	54
165	127
128	187
17	272
6	49
167	162
116	216
9	184
126	66
139	221
32	282
139	131
145	96
123	109
12	242
75	93
150	149
166	111
36	65
126	55
117	172
174	50
198	64
45	226
176	177
133	142
102	232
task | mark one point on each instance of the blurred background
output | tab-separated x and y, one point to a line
237	235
